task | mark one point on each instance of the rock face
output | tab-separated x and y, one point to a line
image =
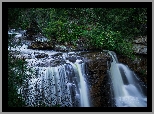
140	45
96	70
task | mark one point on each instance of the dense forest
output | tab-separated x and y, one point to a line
96	28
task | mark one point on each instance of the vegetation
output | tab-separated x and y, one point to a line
99	28
15	78
103	28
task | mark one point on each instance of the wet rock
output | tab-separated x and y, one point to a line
57	54
72	59
41	55
41	45
35	52
54	63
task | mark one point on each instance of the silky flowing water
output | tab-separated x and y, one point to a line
128	89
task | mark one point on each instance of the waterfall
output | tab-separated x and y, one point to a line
127	88
63	85
80	71
60	79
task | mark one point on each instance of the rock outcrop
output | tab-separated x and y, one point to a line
41	45
140	45
96	70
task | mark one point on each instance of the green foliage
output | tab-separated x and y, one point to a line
14	79
103	28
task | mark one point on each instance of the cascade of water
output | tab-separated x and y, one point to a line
52	84
63	84
83	89
54	87
127	88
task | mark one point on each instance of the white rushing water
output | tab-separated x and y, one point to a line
83	90
56	86
79	70
60	84
127	89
